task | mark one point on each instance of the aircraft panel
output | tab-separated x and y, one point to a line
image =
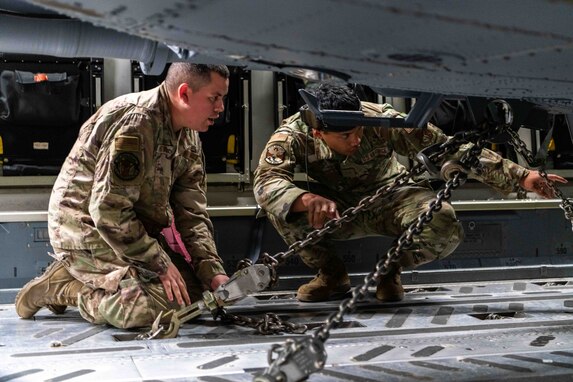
508	49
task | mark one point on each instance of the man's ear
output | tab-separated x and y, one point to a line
182	92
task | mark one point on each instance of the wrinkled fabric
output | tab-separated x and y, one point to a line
124	299
346	180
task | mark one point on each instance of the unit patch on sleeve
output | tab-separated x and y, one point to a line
275	154
126	166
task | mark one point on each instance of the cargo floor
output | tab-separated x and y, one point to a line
513	330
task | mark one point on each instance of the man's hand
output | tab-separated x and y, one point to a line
218	280
534	182
174	285
319	209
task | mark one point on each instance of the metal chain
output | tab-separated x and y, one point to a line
522	149
565	204
349	214
270	323
382	268
451	145
331	226
291	348
470	160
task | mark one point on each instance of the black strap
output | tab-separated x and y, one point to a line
256	239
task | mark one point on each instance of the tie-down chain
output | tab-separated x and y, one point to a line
297	359
253	278
214	302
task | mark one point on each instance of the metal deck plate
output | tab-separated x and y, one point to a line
458	332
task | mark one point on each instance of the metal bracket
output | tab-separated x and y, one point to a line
243	283
182	53
295	361
423	109
419	116
347	117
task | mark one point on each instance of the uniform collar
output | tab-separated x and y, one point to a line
166	112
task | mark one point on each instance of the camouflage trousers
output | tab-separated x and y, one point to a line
121	297
389	216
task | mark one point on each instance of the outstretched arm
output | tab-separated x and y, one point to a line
534	182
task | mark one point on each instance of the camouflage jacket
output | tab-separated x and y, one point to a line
372	166
124	180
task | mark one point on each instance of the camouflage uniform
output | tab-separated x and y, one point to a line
124	180
346	180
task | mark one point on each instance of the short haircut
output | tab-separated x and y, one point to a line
336	97
331	97
195	75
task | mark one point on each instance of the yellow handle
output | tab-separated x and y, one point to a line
232	150
551	146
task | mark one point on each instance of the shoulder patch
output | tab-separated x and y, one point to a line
127	143
126	166
275	154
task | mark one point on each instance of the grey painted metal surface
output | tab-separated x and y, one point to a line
498	245
458	332
511	49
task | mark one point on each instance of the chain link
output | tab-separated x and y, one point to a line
520	147
392	256
270	323
469	161
451	145
382	268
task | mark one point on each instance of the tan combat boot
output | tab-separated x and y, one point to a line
328	284
55	289
390	287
